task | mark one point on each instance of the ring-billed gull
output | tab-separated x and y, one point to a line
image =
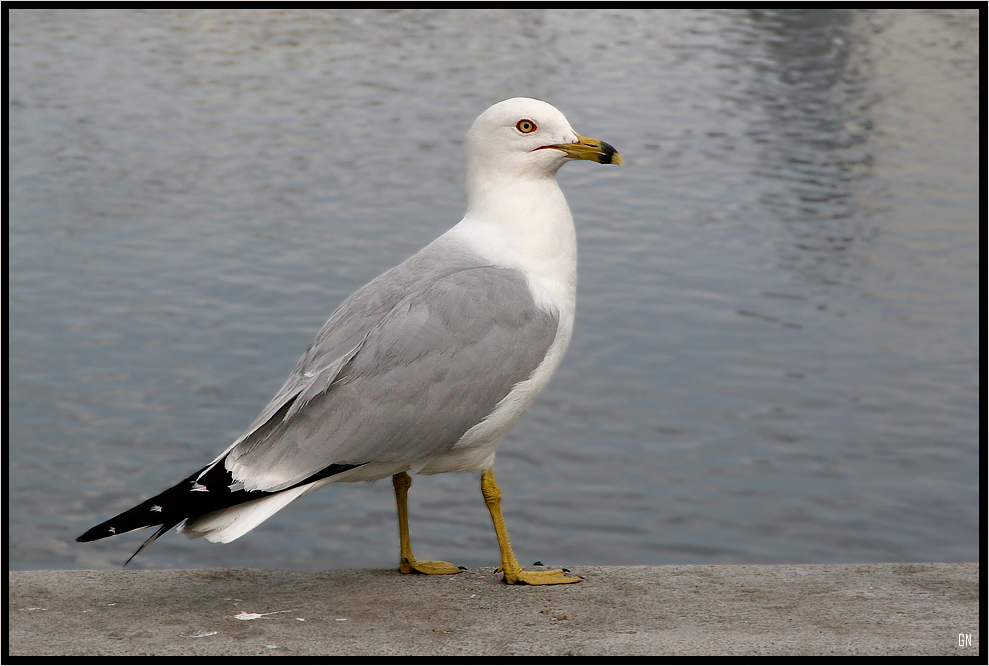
425	368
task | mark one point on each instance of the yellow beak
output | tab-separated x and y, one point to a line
590	149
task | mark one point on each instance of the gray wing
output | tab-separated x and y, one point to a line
399	373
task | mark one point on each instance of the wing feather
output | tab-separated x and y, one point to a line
400	372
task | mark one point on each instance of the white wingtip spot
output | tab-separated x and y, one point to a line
199	488
156	508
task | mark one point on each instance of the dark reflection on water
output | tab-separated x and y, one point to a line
776	357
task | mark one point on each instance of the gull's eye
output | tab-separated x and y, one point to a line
525	126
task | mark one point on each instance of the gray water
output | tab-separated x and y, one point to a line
777	350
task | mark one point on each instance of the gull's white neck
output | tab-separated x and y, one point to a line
523	222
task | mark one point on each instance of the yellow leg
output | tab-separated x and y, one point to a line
509	565
408	562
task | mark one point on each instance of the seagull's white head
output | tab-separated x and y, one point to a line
523	137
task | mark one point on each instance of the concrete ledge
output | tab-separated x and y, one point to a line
873	609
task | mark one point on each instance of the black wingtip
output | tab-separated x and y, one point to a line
205	491
133	519
161	530
101	531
